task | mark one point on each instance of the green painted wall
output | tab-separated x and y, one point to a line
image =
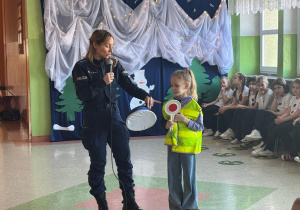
39	82
290	56
249	54
245	50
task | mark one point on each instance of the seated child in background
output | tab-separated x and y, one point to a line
282	125
263	118
240	96
211	108
264	99
236	123
294	145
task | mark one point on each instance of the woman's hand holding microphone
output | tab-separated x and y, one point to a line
109	77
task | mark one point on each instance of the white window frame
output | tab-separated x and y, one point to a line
266	69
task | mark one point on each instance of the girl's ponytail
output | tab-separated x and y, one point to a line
193	88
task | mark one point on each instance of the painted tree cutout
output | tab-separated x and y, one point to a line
69	101
169	94
213	91
207	89
201	78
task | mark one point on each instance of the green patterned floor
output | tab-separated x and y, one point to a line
222	196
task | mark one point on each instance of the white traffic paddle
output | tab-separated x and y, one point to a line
172	108
140	118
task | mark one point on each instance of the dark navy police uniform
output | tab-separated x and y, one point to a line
94	92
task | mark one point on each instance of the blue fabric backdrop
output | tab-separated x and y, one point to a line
157	72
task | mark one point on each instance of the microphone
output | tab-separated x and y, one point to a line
110	63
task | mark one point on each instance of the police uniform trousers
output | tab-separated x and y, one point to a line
96	133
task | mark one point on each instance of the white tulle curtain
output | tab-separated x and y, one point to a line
253	6
156	28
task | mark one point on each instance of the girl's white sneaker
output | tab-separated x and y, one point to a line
258	146
208	132
235	141
255	152
217	134
228	134
297	159
266	153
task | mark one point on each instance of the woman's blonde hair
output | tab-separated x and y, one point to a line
98	36
188	76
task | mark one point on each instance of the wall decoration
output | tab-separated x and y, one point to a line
67	40
65	113
70	102
152	29
141	82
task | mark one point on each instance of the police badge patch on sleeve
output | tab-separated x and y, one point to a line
81	78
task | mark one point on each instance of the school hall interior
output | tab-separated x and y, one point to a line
43	164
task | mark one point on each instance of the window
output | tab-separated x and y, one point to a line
269	42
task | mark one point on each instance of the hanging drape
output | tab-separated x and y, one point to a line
253	6
156	28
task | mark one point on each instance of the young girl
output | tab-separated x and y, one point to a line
240	96
282	125
187	135
236	123
294	145
263	118
211	108
264	100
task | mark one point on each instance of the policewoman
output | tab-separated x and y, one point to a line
96	86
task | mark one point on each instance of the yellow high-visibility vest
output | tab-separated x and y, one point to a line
183	139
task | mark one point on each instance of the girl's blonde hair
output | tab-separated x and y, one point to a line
262	78
188	76
227	80
98	36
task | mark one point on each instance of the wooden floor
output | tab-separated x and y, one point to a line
13	131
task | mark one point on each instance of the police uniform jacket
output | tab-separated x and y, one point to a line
91	88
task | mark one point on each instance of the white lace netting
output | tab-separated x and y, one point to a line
253	6
153	29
